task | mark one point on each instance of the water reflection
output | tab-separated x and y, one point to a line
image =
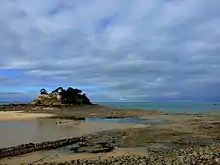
16	133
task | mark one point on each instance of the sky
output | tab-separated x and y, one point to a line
130	50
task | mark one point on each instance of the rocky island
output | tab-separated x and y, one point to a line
94	134
61	96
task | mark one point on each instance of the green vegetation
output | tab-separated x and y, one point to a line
61	96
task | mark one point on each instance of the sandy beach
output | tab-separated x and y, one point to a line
20	116
163	132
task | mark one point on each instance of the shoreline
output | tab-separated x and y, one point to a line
70	112
198	154
6	116
181	130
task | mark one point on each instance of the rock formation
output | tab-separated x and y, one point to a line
31	147
101	147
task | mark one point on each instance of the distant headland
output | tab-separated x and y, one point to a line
60	96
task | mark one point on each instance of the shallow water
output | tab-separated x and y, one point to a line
204	141
178	107
127	120
16	133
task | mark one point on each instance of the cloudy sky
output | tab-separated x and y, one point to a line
133	50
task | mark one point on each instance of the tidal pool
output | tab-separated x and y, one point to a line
127	120
204	141
19	132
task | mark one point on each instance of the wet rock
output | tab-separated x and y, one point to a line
211	124
139	160
92	148
31	147
67	117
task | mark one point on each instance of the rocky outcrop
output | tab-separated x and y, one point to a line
31	147
46	100
188	156
100	147
68	117
61	96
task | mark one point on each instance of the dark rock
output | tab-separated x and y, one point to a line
31	147
68	117
93	148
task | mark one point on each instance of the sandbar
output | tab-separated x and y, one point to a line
21	116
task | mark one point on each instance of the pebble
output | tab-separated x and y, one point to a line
209	155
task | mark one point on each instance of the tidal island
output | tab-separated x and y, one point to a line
65	127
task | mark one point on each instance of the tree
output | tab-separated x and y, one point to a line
43	91
75	91
75	96
85	99
69	96
58	89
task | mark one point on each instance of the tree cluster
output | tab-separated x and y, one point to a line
69	96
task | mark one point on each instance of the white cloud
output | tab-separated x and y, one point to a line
139	49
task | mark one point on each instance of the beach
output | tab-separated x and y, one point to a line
21	116
146	134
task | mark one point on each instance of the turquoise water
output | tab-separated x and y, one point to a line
180	107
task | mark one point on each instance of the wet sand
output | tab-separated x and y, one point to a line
59	156
179	129
18	132
21	116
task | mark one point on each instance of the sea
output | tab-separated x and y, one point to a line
177	107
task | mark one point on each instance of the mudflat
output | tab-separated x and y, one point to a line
15	133
197	134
